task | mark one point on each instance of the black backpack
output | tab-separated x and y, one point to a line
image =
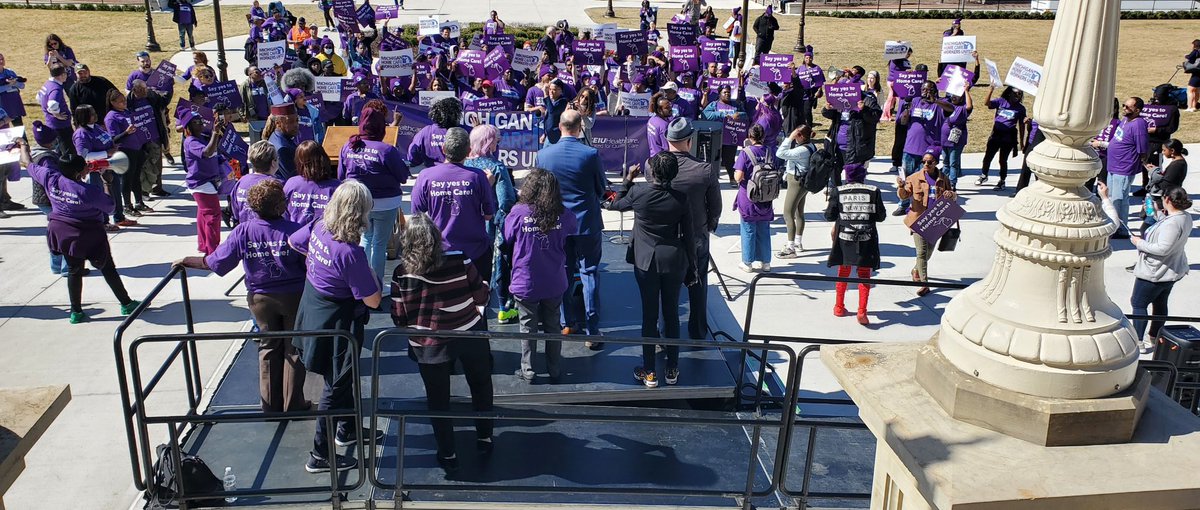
193	474
823	163
765	179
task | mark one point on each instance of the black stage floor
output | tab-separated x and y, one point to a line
560	454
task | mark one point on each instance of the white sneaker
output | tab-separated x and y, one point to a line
756	265
1147	346
766	267
798	246
1191	110
744	267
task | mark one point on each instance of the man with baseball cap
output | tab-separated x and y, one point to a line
699	182
91	90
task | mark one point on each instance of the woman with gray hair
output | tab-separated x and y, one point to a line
263	160
437	290
460	201
339	287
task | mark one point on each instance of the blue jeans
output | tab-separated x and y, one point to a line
58	264
756	241
1145	294
1118	191
952	163
583	256
911	163
375	241
186	29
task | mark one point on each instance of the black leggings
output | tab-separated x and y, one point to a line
328	19
898	144
476	358
75	282
133	177
1002	144
659	289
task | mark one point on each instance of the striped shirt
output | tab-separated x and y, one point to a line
445	298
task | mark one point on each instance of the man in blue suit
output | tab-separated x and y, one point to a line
581	178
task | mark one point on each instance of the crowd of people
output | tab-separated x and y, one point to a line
312	229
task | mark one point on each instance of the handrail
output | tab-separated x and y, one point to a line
784	424
176	423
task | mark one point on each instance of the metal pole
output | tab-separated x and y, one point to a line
609	13
800	38
222	65
740	57
151	43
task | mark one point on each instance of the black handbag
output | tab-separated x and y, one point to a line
949	240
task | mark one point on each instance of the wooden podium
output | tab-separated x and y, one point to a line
337	136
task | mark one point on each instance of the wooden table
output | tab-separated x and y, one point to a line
25	414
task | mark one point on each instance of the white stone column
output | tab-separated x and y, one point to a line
1041	322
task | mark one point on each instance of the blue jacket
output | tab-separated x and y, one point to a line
581	178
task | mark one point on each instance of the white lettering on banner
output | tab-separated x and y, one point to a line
524	60
330	88
502	120
637	104
395	63
1024	76
958	49
428	97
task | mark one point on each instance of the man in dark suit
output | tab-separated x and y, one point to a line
581	178
703	189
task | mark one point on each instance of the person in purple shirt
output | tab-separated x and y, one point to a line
1127	153
11	85
309	190
184	16
53	99
274	282
339	287
493	25
203	178
756	216
76	227
90	138
460	201
1100	144
144	69
1008	132
57	53
923	117
426	147
262	159
131	140
380	167
535	232
656	127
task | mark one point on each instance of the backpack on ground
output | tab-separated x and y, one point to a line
192	474
765	179
823	163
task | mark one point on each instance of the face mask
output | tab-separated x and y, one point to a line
328	51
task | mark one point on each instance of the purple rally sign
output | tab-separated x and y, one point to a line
811	77
937	219
487	105
736	129
387	12
495	63
505	41
365	14
470	63
714	51
162	79
843	96
908	83
775	68
681	34
232	146
588	53
223	95
685	59
630	42
1157	114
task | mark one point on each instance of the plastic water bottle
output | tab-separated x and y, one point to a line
230	484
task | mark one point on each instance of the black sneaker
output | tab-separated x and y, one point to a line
448	464
12	206
900	211
318	465
351	438
484	447
999	186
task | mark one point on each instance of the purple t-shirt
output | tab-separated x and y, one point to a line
137	74
258	94
199	168
751	211
91	138
426	146
378	165
1129	142
117	122
533	97
924	127
51	97
656	134
456	198
72	200
538	258
1106	136
1008	115
186	16
957	119
307	199
336	269
241	210
272	266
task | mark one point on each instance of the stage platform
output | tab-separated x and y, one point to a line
560	454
